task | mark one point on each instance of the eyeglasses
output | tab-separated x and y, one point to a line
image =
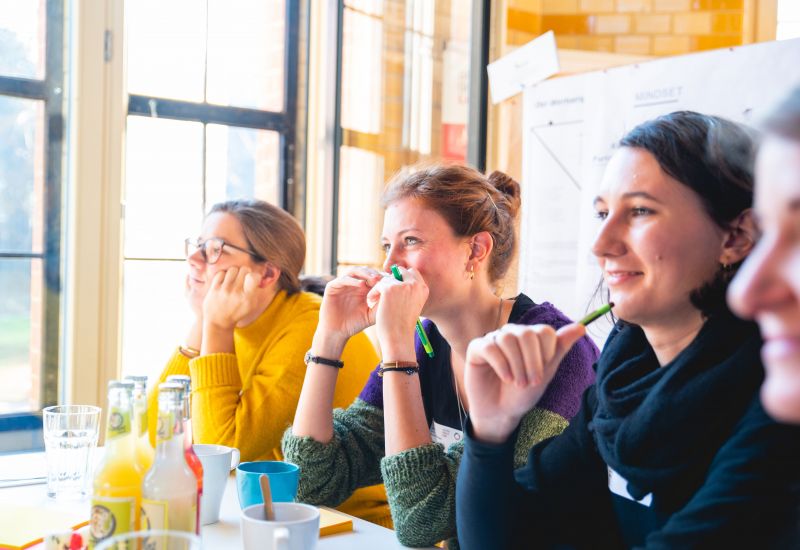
211	249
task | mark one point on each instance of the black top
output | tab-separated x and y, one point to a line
689	441
436	376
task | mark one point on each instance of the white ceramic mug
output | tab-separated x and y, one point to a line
296	527
217	461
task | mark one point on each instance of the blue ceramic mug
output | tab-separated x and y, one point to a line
283	477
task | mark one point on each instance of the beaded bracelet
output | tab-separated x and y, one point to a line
408	367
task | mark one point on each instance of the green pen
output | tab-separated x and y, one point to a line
602	310
420	331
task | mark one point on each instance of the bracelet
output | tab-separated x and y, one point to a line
189	352
408	367
322	360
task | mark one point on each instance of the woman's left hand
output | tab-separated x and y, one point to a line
231	297
399	304
507	372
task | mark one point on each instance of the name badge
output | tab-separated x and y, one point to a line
445	435
619	486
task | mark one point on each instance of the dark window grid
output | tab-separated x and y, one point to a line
283	122
50	91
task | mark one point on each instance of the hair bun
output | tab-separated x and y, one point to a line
509	187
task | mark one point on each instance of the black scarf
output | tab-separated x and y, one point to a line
659	427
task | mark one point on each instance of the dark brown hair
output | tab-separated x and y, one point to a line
713	157
273	234
469	201
784	120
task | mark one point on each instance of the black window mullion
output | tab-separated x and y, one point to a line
54	131
288	138
22	87
207	114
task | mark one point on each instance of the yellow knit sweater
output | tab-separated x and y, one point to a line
248	398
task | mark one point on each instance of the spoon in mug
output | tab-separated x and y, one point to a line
269	513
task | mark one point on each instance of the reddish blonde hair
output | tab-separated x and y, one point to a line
469	201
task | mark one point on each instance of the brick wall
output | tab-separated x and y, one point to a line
641	27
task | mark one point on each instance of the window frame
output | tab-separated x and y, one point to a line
50	91
477	113
283	122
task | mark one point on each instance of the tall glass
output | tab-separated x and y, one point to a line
152	540
70	436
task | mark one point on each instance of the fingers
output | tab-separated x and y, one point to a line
366	274
566	337
374	294
511	341
524	355
485	352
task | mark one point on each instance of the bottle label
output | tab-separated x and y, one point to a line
154	514
119	423
166	423
111	516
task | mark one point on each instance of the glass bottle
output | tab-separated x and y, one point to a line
191	458
117	486
169	491
144	451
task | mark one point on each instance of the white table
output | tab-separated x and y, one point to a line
224	534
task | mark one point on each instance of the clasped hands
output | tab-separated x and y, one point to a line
363	297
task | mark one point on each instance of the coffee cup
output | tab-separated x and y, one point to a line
217	461
283	478
295	527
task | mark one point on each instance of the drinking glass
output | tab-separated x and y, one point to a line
152	540
70	436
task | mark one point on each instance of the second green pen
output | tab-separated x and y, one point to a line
420	331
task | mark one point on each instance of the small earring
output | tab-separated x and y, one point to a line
471	272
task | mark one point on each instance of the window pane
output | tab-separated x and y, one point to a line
156	316
20	334
22	29
241	162
166	48
246	53
788	19
405	96
21	174
362	72
163	186
360	215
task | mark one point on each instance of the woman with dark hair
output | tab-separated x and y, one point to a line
450	231
767	288
252	324
671	448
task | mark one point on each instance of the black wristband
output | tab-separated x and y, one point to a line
322	360
408	367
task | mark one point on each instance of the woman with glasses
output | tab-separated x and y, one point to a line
252	327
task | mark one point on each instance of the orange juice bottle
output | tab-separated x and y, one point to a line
191	458
117	488
144	451
169	491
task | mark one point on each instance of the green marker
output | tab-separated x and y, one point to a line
596	314
420	331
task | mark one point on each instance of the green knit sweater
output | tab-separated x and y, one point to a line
420	482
